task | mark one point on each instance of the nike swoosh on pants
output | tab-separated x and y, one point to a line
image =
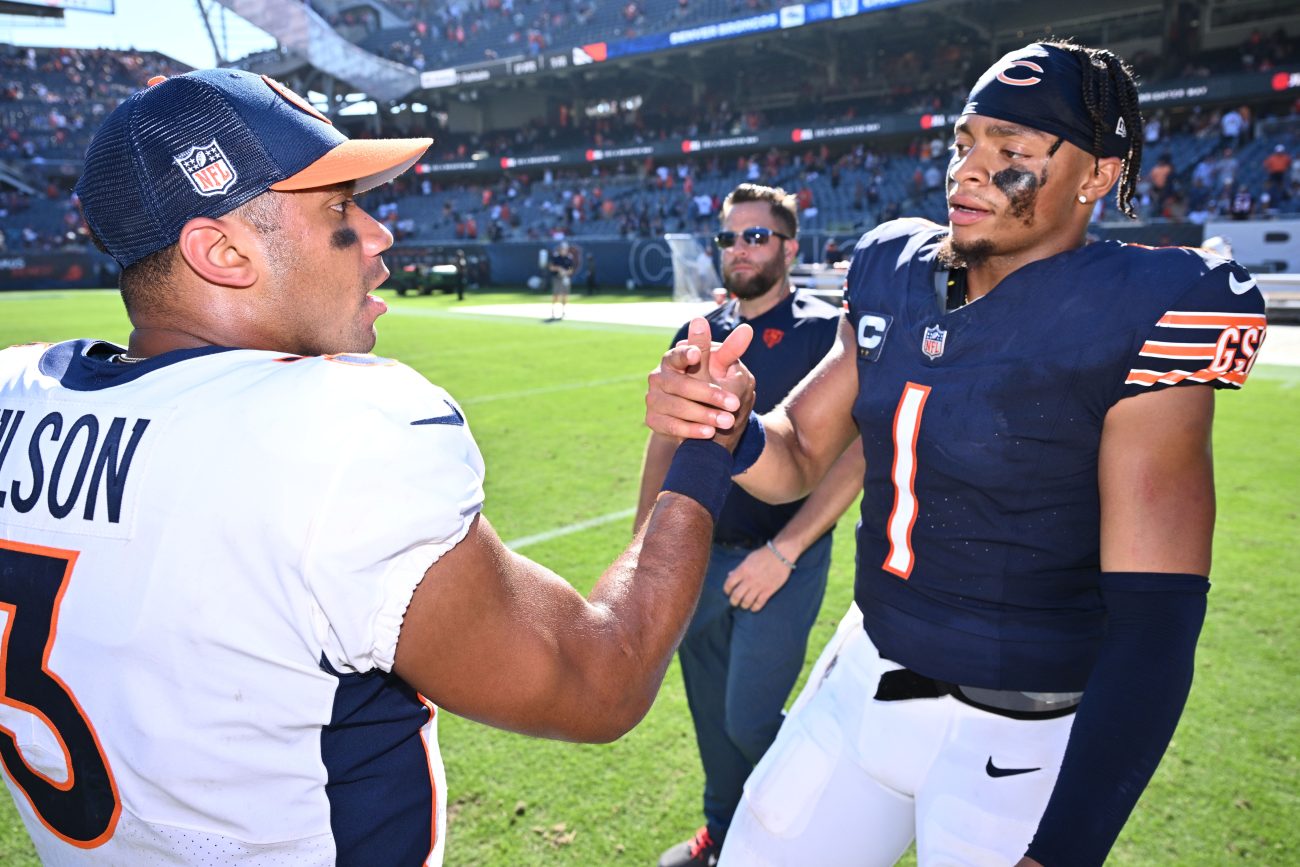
994	771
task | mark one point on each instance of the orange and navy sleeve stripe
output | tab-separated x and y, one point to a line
1211	335
1217	348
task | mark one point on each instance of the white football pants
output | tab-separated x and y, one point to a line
851	780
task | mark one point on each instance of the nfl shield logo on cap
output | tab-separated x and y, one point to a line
932	341
210	173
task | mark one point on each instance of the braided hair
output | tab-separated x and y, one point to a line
1101	68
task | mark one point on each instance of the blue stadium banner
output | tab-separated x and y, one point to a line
814	12
693	35
872	5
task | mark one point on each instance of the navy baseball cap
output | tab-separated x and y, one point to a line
1041	86
204	143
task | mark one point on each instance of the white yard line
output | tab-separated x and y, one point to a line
655	314
523	541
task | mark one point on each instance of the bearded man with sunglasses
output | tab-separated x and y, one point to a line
1032	560
745	646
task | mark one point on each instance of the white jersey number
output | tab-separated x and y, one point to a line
907	425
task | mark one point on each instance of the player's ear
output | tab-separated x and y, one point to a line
220	251
1097	183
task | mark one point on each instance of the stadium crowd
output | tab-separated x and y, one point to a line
1202	164
51	101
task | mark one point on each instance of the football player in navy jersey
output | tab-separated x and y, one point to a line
1039	498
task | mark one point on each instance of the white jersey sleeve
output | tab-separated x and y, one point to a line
403	494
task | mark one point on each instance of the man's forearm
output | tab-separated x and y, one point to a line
658	455
783	473
825	505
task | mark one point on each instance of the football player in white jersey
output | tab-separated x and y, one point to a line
242	563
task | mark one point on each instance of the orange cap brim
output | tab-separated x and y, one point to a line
366	162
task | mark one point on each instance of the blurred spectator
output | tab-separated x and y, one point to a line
1160	177
1226	169
1242	205
1175	207
1230	127
832	253
1277	165
1151	131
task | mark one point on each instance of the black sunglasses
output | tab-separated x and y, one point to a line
755	236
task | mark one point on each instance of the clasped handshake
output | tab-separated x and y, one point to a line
701	390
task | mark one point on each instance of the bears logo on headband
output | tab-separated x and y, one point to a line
1040	86
1020	82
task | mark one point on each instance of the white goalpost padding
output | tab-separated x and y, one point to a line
694	276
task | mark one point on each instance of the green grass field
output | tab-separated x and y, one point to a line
556	409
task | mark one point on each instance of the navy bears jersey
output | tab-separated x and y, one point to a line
981	427
789	340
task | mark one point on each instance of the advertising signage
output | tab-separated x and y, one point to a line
787	17
674	149
1195	91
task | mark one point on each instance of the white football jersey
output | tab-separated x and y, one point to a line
205	559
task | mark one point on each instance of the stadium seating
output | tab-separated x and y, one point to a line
53	98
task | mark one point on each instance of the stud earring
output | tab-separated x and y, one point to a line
1083	200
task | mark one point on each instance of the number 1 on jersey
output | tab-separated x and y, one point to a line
907	425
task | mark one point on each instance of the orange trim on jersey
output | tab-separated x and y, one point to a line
433	783
70	558
1173	377
1175	319
1163	349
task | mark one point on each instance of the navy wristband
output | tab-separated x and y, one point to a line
751	445
701	470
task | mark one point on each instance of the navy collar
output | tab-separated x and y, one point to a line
88	365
